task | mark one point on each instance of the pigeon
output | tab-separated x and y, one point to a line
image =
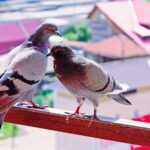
24	68
85	79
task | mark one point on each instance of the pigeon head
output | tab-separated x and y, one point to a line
60	51
48	30
42	34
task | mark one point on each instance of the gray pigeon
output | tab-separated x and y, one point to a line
24	68
85	78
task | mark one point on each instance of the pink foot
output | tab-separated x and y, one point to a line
34	105
76	114
31	104
92	118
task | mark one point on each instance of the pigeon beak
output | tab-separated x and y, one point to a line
49	54
58	33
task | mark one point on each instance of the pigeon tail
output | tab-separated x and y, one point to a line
2	116
119	98
123	86
5	103
120	88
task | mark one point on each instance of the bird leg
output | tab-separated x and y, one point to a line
77	111
32	105
94	116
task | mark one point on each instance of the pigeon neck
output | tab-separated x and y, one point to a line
39	38
38	41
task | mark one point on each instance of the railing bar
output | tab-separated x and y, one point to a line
121	130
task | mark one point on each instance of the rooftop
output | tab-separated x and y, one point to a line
14	33
116	46
122	47
142	10
123	17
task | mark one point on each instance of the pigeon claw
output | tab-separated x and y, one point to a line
91	119
34	105
31	104
78	115
37	106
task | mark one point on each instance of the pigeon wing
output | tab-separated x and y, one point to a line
96	79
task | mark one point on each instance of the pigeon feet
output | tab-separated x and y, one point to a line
34	105
78	115
31	104
82	115
92	118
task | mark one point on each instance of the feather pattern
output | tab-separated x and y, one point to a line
97	79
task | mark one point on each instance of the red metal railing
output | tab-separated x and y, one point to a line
121	130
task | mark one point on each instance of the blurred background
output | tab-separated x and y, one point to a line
114	33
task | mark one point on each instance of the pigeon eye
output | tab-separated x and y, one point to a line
50	28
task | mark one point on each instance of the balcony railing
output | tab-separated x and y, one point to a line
120	130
